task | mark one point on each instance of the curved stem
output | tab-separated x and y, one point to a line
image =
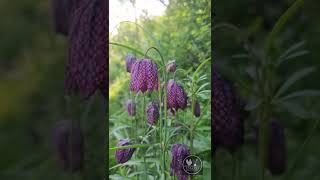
154	48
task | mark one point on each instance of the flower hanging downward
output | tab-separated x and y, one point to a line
88	38
228	114
152	112
171	66
176	97
68	145
196	109
179	153
130	60
131	107
277	150
124	155
144	76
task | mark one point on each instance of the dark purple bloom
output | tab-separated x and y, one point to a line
171	66
179	153
228	114
68	145
131	107
176	97
152	112
144	76
277	150
197	109
61	15
124	155
130	60
88	38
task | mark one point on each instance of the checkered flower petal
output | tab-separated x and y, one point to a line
176	96
69	154
228	114
124	155
87	66
179	153
144	76
152	112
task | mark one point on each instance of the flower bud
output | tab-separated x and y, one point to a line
124	155
131	107
130	60
196	109
68	145
152	112
171	66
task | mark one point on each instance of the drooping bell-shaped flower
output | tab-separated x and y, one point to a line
171	66
68	146
196	110
130	60
131	107
152	112
228	114
144	76
179	153
61	15
86	70
176	97
277	149
124	155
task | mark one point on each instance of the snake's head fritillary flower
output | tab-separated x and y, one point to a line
179	153
61	15
228	114
277	150
86	70
176	96
196	109
152	112
131	107
124	155
68	145
130	60
171	66
144	76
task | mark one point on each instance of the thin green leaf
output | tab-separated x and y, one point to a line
294	78
131	146
303	93
127	47
292	56
291	49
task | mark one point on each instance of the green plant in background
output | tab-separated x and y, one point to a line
268	93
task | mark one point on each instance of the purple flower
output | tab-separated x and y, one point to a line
124	155
68	145
152	112
144	76
179	153
131	107
277	150
88	38
196	109
171	66
61	15
176	97
228	114
130	60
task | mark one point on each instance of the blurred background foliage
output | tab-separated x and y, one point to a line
255	19
32	71
183	34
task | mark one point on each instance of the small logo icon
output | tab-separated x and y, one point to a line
192	164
